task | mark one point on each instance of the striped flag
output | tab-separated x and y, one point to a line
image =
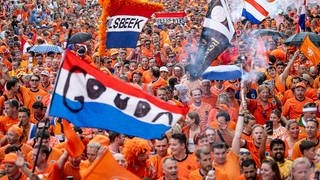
89	98
126	24
255	11
302	18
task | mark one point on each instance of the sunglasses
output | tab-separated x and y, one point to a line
34	80
244	153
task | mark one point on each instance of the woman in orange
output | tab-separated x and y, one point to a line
261	107
293	135
191	128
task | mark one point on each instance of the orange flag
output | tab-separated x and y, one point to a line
74	145
107	167
310	51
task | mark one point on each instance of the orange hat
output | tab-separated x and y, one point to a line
3	49
103	140
16	129
231	86
114	51
279	54
10	158
300	84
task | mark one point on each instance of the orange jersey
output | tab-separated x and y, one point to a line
203	111
231	167
293	107
69	170
51	172
6	122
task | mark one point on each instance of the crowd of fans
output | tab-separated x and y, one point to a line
263	127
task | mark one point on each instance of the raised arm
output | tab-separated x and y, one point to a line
283	76
236	142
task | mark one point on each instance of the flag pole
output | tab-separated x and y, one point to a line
40	144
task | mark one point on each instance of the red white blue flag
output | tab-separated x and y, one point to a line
125	26
89	98
302	18
255	11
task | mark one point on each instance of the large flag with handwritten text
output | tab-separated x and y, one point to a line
216	35
88	97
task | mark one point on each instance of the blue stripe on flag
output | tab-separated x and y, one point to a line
250	17
122	39
109	117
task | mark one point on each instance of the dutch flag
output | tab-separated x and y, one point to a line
89	98
302	18
254	11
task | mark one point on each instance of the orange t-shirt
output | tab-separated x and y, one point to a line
53	156
293	107
157	84
6	122
296	149
185	166
25	149
69	170
51	172
155	162
231	167
203	111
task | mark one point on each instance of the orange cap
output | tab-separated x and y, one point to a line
114	51
10	158
16	129
103	140
300	84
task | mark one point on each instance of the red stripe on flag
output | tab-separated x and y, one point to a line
170	15
72	60
258	7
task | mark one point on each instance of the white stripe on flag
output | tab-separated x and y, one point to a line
122	23
253	11
77	88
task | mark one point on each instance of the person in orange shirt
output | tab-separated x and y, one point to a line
54	153
186	162
206	170
136	152
310	91
249	170
157	81
11	117
11	92
200	107
228	161
43	168
249	122
45	81
207	96
147	49
290	92
161	148
169	169
217	88
72	168
292	109
11	169
311	130
14	139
